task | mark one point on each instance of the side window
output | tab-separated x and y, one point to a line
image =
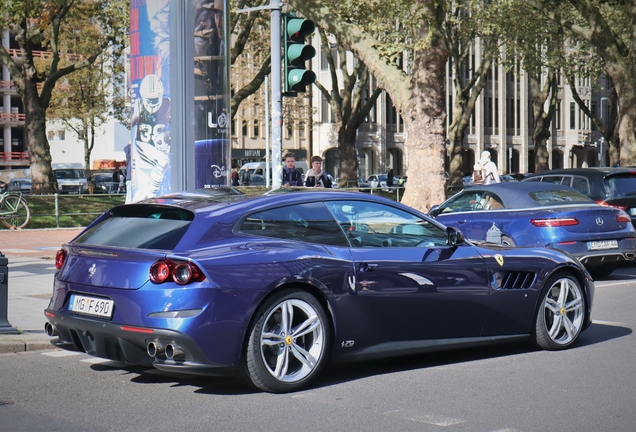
310	222
467	201
378	225
534	179
581	184
554	179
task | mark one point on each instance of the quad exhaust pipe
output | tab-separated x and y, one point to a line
171	351
155	349
174	352
50	330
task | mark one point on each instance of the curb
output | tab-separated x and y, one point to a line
24	342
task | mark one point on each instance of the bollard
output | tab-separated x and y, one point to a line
5	327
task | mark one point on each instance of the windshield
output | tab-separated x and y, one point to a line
140	226
67	173
620	185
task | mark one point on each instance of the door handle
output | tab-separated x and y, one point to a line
368	267
462	221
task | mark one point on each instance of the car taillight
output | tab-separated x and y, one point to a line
623	217
603	203
181	272
60	258
554	222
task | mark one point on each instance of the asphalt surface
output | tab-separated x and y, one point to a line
31	262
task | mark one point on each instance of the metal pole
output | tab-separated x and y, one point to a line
277	99
57	211
5	327
267	126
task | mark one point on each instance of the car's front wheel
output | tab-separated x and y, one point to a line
561	313
288	342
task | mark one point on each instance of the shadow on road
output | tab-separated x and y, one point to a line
340	373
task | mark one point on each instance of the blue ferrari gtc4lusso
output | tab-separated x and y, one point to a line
272	287
543	214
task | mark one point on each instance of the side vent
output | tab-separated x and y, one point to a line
514	280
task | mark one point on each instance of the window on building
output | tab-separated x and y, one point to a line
325	109
51	135
244	127
290	130
557	115
301	130
61	135
234	127
572	115
257	129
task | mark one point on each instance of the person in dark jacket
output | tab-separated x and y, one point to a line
291	176
316	177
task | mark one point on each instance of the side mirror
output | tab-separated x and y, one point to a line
433	211
454	236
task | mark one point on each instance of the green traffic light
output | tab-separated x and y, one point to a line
298	79
297	52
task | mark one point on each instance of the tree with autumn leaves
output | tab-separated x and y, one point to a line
56	38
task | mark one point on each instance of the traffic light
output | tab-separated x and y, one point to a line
296	52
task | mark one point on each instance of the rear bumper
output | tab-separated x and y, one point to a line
599	258
129	344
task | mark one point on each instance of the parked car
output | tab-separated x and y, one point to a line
20	184
271	287
615	187
71	177
103	183
378	181
543	214
363	185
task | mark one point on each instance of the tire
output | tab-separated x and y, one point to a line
15	212
282	356
561	313
507	241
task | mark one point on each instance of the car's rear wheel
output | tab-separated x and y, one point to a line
507	241
561	313
288	342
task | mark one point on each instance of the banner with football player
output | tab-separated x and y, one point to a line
150	99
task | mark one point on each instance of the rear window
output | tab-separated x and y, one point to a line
140	227
620	185
562	196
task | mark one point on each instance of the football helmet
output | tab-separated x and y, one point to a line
151	93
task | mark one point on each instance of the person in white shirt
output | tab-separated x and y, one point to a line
489	169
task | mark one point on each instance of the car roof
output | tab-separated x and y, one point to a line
594	171
515	195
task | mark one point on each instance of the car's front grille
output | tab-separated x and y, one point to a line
514	280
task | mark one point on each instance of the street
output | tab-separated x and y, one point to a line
590	387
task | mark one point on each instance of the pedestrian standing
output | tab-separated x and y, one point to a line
489	169
291	176
316	177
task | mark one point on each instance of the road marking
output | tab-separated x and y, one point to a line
612	323
436	420
432	419
611	284
95	360
61	353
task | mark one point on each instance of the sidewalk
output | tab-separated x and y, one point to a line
31	257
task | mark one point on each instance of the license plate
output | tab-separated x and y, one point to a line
603	244
91	306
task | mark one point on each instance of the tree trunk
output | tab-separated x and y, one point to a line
43	180
540	132
457	131
425	126
348	176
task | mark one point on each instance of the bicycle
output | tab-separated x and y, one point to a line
14	210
